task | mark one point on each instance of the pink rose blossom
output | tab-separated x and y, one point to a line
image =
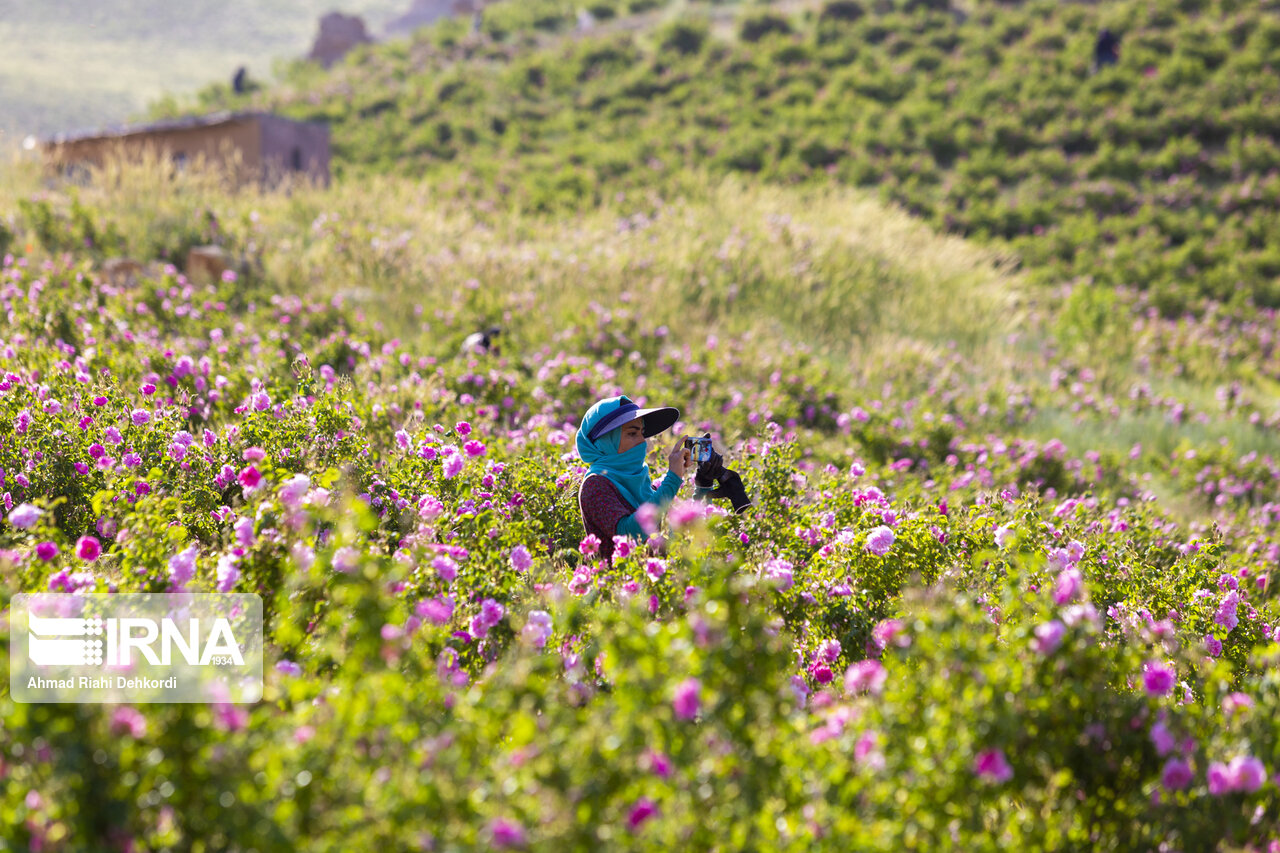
25	515
230	717
1070	583
438	610
537	628
127	720
686	703
868	675
880	540
1226	616
1244	773
182	566
647	517
294	490
521	560
88	548
346	559
249	478
1048	637
1247	773
506	833
644	809
1162	738
1236	701
1220	781
684	513
1176	775
778	569
991	766
453	465
228	572
491	613
866	753
1158	679
445	567
889	631
244	531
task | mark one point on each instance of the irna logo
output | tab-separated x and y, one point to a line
135	647
54	641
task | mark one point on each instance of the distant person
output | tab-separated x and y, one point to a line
1106	51
477	20
611	440
482	343
240	82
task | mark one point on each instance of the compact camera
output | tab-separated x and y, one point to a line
701	447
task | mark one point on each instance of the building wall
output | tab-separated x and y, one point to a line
217	144
294	146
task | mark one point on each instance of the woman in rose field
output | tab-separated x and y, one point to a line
619	491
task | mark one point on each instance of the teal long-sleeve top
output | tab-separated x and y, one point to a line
667	488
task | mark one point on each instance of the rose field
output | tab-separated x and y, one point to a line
1005	584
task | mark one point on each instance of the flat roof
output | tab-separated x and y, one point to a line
181	123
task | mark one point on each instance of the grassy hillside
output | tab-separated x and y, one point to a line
1156	174
71	64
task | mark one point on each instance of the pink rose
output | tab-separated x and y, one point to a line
991	766
686	702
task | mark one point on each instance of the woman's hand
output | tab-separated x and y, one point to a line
678	458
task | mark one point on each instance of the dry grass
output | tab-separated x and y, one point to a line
868	288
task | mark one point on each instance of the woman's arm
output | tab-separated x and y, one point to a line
666	489
628	526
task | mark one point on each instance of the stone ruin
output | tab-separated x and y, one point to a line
338	34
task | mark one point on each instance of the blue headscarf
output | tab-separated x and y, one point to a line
628	471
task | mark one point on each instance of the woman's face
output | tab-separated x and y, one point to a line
632	434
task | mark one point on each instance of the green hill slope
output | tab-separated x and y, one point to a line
1158	173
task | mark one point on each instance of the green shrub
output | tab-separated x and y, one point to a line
841	10
760	25
684	37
